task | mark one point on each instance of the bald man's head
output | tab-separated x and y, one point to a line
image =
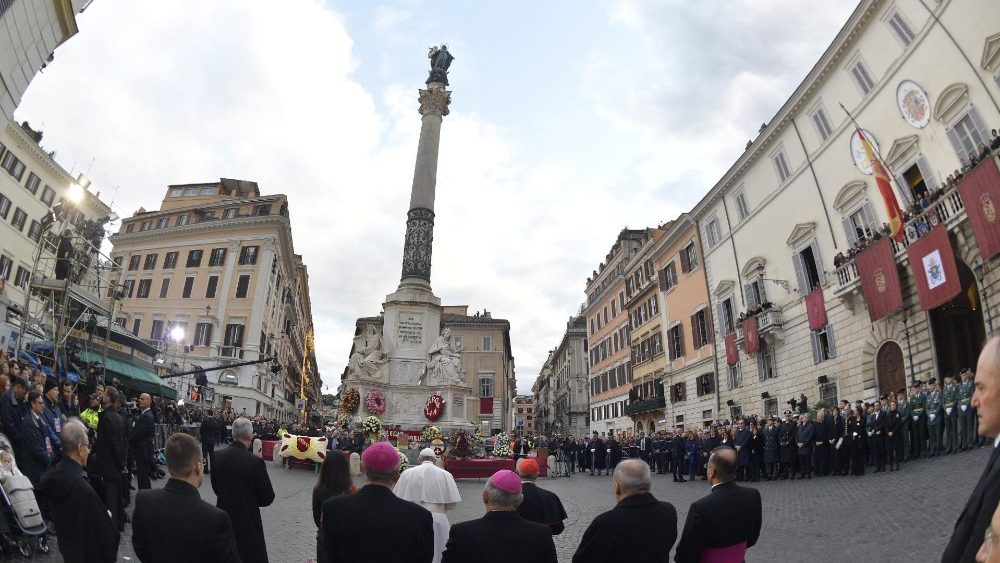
722	463
632	477
986	399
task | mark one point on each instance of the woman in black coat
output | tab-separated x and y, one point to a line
615	450
859	442
756	447
600	451
893	437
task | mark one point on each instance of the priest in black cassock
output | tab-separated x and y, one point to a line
539	505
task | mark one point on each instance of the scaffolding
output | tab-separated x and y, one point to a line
69	276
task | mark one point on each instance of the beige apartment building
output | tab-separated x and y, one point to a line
211	279
610	366
523	414
562	389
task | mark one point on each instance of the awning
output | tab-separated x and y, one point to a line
132	375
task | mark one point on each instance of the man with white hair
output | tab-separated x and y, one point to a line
242	486
434	489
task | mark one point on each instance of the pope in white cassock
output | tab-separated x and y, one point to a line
434	489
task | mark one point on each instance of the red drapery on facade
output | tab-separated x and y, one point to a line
980	191
879	279
933	263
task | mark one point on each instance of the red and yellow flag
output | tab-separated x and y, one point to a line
885	188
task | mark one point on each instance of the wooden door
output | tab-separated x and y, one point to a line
889	369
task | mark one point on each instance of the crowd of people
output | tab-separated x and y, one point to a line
930	420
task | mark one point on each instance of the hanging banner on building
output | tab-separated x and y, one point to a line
732	353
751	340
980	191
816	309
879	280
933	263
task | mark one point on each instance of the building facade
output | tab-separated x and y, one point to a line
523	414
923	81
211	279
31	32
610	366
562	390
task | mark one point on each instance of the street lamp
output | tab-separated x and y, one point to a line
783	283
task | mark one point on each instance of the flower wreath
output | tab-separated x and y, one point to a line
350	401
431	433
372	425
375	401
434	407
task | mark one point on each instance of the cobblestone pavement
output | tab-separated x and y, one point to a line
905	516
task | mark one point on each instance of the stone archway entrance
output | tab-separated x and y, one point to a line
958	327
889	368
651	427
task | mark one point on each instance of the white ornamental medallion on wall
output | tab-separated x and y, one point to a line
913	104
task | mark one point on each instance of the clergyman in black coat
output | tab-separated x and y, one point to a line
242	487
502	535
822	430
975	517
727	516
539	505
638	528
173	523
355	527
84	531
110	451
804	436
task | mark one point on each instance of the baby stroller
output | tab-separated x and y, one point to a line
19	505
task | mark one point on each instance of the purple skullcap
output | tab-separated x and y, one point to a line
507	481
380	457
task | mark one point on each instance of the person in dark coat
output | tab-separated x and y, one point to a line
756	446
786	441
638	528
837	465
678	448
142	442
729	516
354	525
822	430
970	528
742	441
210	435
583	457
13	409
242	486
539	505
770	449
502	535
84	531
37	440
858	442
173	523
600	451
805	435
893	429
615	451
110	453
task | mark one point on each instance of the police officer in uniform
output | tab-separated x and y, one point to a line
966	414
903	407
679	447
950	398
934	412
918	422
770	449
789	449
659	453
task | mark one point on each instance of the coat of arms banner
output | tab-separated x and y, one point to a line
933	263
879	280
980	191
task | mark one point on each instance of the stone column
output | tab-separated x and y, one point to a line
417	248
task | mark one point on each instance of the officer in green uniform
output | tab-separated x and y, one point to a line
903	407
934	415
918	422
966	414
950	399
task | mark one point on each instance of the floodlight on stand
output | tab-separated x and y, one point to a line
177	334
75	193
159	360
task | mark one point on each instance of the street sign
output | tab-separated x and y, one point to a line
300	404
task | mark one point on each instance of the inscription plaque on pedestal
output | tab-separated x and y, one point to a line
410	334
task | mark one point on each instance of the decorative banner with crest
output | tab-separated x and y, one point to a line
980	191
879	279
933	263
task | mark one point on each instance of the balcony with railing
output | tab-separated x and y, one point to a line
769	322
948	208
653	403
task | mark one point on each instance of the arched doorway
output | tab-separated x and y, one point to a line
889	368
958	327
652	428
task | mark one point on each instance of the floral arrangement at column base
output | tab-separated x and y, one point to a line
404	463
461	445
372	426
431	433
501	445
349	402
375	401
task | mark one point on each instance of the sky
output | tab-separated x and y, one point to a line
570	120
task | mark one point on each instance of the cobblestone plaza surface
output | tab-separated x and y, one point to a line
903	516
